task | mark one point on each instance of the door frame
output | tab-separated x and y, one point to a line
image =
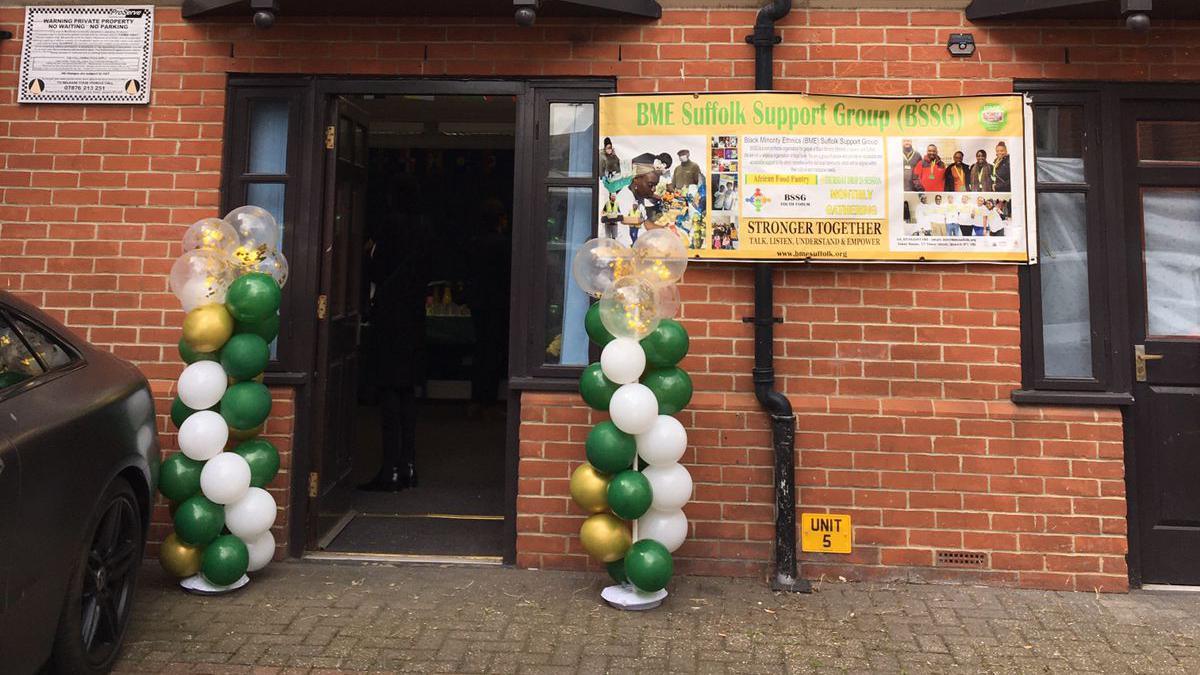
1118	245
305	453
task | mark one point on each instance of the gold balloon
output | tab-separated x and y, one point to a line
589	488
177	558
257	378
207	327
246	434
605	537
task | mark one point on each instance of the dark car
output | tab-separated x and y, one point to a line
78	465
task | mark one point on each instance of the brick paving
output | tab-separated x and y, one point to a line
320	617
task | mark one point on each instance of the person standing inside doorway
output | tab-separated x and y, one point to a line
490	256
399	264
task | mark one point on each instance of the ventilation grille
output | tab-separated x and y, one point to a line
961	559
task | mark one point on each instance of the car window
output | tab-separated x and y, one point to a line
48	350
17	363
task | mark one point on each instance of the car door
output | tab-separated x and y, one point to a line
19	370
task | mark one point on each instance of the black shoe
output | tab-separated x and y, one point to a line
387	480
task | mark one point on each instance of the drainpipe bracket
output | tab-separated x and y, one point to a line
763	321
763	40
786	584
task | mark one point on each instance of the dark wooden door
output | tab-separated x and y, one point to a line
339	308
1162	195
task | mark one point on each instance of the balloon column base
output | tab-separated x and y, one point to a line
626	597
200	586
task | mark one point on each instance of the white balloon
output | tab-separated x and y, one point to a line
664	443
633	408
251	515
203	435
262	549
671	486
668	528
225	478
202	384
623	360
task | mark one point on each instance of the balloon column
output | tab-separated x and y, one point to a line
228	279
632	473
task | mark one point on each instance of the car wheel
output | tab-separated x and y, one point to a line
100	594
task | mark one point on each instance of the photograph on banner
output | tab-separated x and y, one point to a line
957	192
650	183
792	176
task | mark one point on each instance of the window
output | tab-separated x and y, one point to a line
27	351
262	168
562	216
1064	297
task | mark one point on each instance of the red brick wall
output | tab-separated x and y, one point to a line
900	374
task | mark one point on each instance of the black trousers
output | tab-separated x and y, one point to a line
398	407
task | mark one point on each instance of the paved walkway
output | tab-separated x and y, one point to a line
310	617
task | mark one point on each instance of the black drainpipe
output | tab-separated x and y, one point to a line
783	420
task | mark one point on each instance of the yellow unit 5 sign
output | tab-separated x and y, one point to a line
825	533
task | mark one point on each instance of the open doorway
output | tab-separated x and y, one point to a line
419	194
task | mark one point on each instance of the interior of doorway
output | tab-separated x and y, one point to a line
433	338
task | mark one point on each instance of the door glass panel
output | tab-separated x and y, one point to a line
268	136
1066	312
270	197
1168	141
572	146
1171	222
1058	141
568	226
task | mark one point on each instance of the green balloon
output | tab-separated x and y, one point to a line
179	412
609	449
246	405
225	560
245	356
595	328
263	459
649	565
671	386
596	389
629	494
198	521
11	377
616	570
253	297
179	477
665	345
267	329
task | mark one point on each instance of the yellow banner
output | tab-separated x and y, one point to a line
783	176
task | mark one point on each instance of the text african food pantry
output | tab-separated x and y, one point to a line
977	422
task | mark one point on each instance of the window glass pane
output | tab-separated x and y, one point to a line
1066	313
1171	222
268	136
270	197
47	348
1058	142
16	362
568	226
1168	141
572	145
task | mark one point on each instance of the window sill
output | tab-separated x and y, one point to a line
543	384
1042	396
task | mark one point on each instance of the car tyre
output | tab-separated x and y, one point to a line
100	594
